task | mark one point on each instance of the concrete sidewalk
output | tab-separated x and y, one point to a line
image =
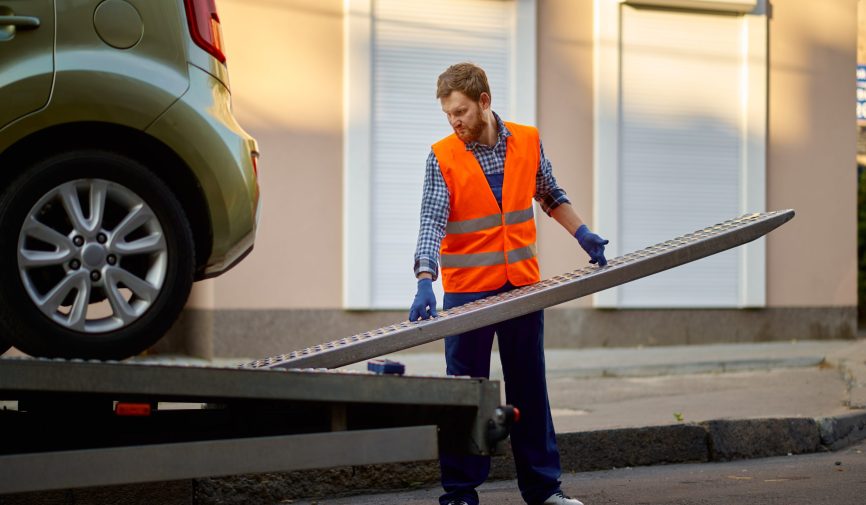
610	388
592	389
628	407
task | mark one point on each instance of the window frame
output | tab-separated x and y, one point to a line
606	143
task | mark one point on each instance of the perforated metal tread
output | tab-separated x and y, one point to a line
553	291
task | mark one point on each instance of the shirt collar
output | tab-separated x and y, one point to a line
502	131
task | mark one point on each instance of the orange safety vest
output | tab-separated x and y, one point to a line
485	246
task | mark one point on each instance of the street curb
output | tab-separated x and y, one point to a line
697	367
624	447
760	438
841	431
711	441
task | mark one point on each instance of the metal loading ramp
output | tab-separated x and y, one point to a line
547	293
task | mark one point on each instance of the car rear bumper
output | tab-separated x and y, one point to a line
220	154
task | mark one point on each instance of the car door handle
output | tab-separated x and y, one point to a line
22	22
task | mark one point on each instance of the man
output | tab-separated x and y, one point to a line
477	203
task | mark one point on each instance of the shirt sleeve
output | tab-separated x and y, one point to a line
547	192
435	204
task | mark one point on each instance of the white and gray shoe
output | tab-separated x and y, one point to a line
559	498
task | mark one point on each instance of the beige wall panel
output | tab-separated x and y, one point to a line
285	59
861	28
565	47
285	62
812	144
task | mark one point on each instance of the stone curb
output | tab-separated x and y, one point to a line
841	431
719	440
760	438
698	367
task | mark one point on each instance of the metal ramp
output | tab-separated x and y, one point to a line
553	291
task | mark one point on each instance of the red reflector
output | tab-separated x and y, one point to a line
132	409
204	26
516	415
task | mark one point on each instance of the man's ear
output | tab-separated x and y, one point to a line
484	100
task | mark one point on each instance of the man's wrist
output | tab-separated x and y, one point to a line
425	266
424	275
581	231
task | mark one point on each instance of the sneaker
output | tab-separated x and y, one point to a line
559	498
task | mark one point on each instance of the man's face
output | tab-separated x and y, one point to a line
465	115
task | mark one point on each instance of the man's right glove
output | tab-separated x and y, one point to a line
592	244
424	305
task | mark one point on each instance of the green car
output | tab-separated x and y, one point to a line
124	175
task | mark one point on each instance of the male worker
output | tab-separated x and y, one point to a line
477	202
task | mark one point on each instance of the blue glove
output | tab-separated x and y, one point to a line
592	244
424	300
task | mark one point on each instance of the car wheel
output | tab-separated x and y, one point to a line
97	257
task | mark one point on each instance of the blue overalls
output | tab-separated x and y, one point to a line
533	441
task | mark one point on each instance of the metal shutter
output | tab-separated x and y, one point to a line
413	42
681	146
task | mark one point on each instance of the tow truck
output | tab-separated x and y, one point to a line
75	423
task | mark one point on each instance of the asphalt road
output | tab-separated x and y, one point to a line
835	478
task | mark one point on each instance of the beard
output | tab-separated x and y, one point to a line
472	132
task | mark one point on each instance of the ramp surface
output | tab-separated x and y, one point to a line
547	293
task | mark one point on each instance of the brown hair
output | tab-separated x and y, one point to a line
466	78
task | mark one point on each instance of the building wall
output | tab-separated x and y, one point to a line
861	29
565	108
285	58
812	261
286	68
861	59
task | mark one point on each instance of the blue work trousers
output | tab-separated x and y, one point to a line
533	441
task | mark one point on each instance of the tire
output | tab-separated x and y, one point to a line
91	281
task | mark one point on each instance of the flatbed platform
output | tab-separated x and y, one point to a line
64	429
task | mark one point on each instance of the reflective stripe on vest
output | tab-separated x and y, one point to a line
486	243
487	259
482	223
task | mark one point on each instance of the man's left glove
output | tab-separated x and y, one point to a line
424	300
592	244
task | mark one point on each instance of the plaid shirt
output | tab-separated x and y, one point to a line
435	199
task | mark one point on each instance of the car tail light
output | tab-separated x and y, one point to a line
204	26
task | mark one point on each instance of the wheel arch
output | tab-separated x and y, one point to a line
158	157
